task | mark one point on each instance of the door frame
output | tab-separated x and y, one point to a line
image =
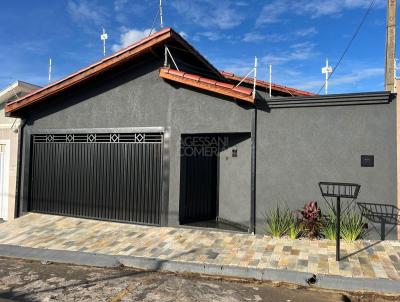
27	156
6	181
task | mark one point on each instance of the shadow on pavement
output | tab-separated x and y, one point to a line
16	296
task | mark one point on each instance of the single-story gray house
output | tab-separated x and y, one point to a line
145	137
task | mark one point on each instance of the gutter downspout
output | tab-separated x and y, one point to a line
19	169
253	154
252	229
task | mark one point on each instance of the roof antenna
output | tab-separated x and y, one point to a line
326	70
161	15
104	37
255	78
49	70
254	72
270	80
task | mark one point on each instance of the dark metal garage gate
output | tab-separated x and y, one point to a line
111	176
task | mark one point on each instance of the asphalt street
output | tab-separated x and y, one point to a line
22	280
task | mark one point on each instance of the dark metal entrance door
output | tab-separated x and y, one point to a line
110	176
198	188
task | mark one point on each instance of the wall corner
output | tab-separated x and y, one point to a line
397	90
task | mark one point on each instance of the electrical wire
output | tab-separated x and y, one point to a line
350	42
154	21
199	69
182	62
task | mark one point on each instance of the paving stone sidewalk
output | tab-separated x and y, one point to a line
363	259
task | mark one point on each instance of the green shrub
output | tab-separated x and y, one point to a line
352	226
295	228
328	226
278	221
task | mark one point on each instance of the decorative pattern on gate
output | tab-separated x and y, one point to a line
98	138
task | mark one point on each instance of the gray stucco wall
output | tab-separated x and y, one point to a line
140	98
299	147
234	181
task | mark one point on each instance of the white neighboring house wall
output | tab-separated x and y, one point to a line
9	148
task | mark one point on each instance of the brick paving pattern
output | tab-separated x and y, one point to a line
362	259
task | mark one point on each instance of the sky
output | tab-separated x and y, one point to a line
295	36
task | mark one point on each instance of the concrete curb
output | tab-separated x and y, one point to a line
154	264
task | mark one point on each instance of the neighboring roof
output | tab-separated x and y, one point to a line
264	84
132	51
197	81
16	90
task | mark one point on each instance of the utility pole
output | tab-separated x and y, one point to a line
390	45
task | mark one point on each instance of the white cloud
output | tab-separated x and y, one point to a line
273	12
257	36
210	35
236	65
343	81
183	34
130	36
298	52
86	11
119	4
213	36
364	3
126	10
220	14
305	32
356	76
253	37
241	3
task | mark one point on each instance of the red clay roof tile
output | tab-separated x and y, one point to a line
226	89
192	76
226	85
176	72
208	81
264	84
242	90
225	73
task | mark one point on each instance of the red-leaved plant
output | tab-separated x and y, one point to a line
310	218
